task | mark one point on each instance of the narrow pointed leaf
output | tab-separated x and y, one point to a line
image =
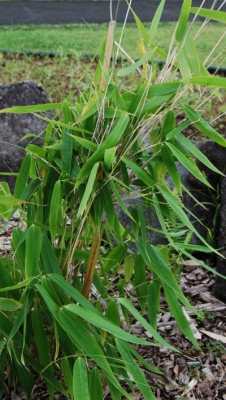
134	370
178	314
88	189
188	163
80	380
203	126
215	15
155	22
33	251
183	20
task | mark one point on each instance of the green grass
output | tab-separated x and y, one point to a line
64	74
82	39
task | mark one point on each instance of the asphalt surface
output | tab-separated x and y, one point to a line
52	12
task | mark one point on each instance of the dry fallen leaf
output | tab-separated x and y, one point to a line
221	338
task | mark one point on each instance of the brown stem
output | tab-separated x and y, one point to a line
91	265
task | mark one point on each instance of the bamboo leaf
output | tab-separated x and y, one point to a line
67	375
197	153
87	144
141	173
54	209
22	178
126	303
131	68
105	324
42	346
80	380
67	150
9	304
171	168
189	164
203	126
155	22
82	336
140	26
209	81
33	251
215	15
109	157
111	141
88	189
178	314
134	370
31	109
183	20
95	384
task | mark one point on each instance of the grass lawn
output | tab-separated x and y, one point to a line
63	74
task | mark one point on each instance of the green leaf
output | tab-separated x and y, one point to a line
105	324
189	164
80	380
114	257
178	314
183	20
22	178
54	209
155	22
95	385
119	199
6	211
109	157
33	251
128	267
197	153
153	305
215	15
87	144
113	313
31	109
209	81
191	55
163	89
140	281
171	168
65	366
9	304
203	126
82	336
20	285
48	257
42	345
134	370
125	303
131	68
88	189
67	149
140	172
140	26
10	201
111	141
169	123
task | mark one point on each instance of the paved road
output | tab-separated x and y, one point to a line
52	12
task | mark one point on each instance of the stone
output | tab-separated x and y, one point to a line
220	283
13	127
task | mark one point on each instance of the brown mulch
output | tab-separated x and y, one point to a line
190	374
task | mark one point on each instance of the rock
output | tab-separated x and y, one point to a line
13	127
220	283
